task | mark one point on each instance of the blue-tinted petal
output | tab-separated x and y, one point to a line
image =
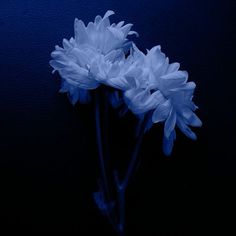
170	123
66	44
120	24
191	118
116	33
161	112
173	67
108	13
174	80
80	32
119	82
185	129
168	143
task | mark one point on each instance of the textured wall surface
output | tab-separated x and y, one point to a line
48	155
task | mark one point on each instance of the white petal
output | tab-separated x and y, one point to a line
140	101
108	13
66	44
145	101
91	31
173	67
191	118
120	24
114	55
97	20
116	33
59	48
57	54
168	143
131	93
162	111
157	61
133	32
170	123
56	64
190	86
105	20
78	77
114	71
125	29
134	72
173	80
81	57
177	75
118	82
80	32
153	49
185	129
136	52
131	81
157	57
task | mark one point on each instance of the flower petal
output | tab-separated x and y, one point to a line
191	118
173	67
81	57
116	33
119	82
168	143
162	111
174	80
185	129
181	75
114	55
142	101
97	20
105	20
80	32
126	28
120	24
170	123
157	57
133	32
66	44
108	13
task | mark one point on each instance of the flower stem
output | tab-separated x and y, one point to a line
133	161
121	186
104	180
100	148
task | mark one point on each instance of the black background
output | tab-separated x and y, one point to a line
48	158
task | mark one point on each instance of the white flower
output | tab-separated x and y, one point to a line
118	73
97	45
163	89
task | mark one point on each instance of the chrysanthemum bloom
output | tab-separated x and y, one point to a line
163	90
119	74
97	45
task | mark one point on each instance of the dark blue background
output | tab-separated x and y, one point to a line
48	151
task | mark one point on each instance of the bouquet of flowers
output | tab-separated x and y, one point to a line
147	84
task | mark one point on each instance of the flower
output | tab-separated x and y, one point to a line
97	45
163	90
150	84
119	73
